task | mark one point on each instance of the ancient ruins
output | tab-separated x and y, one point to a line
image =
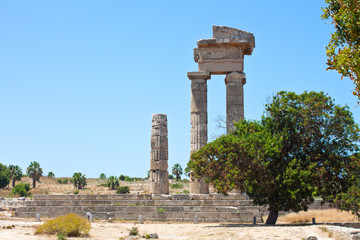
159	177
222	54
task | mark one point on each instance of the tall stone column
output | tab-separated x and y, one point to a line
198	123
159	176
234	98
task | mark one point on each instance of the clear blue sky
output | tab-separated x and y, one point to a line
79	80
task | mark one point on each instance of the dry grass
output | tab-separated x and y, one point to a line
321	216
51	186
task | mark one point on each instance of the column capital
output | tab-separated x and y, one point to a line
235	77
199	75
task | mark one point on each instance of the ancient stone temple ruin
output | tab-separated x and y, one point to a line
159	177
222	54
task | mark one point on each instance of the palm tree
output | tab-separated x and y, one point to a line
79	180
15	173
51	175
112	182
34	171
177	171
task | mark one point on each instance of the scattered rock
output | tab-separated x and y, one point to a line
355	237
153	235
311	238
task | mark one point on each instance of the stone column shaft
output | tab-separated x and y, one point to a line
159	177
234	98
198	122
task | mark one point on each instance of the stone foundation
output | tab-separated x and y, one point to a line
180	208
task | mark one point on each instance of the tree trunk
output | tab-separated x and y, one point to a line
13	182
273	216
34	182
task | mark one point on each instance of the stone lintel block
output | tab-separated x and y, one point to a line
157	155
159	142
159	165
234	78
201	75
221	66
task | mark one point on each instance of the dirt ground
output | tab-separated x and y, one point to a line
24	229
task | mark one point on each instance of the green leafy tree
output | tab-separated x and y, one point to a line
15	173
79	180
4	176
122	177
34	171
102	176
112	182
51	175
343	50
177	171
301	148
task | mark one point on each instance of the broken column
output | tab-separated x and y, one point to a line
159	177
234	98
198	123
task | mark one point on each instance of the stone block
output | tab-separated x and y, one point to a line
158	155
159	165
198	118
159	187
159	176
159	142
157	131
159	119
198	106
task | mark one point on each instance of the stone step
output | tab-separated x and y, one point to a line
141	197
188	217
139	202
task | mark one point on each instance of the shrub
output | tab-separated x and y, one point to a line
134	231
171	176
176	186
70	225
122	178
63	181
22	189
76	191
186	191
123	190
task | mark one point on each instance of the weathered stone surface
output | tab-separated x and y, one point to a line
159	165
224	53
234	99
159	142
159	177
